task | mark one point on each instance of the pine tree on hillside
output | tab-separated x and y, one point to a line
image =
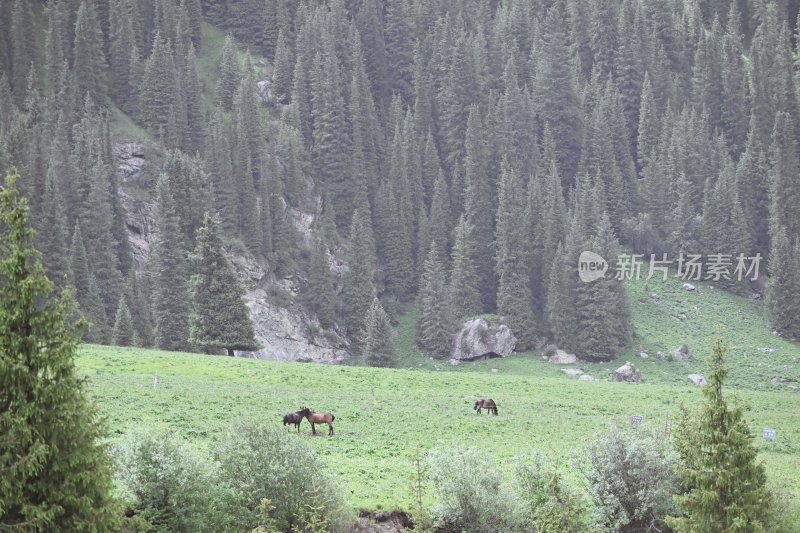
378	342
220	318
514	256
57	474
724	488
464	296
358	285
139	306
282	72
87	295
168	266
783	305
89	60
434	327
123	333
318	294
229	75
158	88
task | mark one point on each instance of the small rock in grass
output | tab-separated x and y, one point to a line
643	355
697	379
688	287
495	371
587	377
572	372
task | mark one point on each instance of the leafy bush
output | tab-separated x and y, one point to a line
258	462
470	493
631	476
168	488
550	350
548	503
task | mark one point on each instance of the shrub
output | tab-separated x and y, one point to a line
631	476
258	462
470	493
548	503
550	350
169	488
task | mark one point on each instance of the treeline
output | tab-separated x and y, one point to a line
468	151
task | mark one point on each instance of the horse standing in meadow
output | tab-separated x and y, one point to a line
317	418
488	404
292	418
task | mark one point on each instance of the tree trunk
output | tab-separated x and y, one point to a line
230	352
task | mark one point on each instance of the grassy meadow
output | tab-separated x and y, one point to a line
384	415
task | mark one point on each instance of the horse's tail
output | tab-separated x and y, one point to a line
333	417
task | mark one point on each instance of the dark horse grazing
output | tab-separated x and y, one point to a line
293	418
489	405
317	418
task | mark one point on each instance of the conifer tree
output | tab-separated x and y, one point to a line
514	255
282	72
229	74
784	285
319	295
724	487
379	346
463	292
86	292
434	327
139	306
168	266
123	42
220	318
123	333
358	286
57	474
158	88
89	60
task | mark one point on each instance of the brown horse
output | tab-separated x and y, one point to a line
317	418
292	418
489	405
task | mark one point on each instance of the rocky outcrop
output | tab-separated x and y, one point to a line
291	335
479	339
697	379
560	357
284	330
628	373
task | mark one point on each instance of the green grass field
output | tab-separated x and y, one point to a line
382	415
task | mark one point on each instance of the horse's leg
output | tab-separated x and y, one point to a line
313	431
330	428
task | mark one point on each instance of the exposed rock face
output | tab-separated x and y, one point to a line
627	372
265	91
284	330
563	358
290	335
697	379
132	160
478	339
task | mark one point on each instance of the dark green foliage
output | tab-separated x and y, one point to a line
158	89
319	295
379	349
229	74
169	274
89	60
56	474
464	294
434	327
358	285
723	485
87	295
784	283
123	333
220	318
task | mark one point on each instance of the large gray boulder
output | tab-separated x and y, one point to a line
681	353
697	379
560	357
479	339
628	373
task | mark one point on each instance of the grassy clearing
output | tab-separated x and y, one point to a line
382	415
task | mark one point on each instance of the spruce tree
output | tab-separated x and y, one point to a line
282	72
220	318
158	88
123	333
724	488
56	473
434	328
783	305
464	295
379	348
168	266
358	285
229	75
319	295
89	60
87	295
